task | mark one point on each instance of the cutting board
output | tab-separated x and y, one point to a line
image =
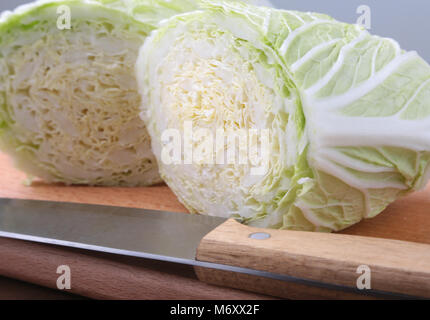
407	219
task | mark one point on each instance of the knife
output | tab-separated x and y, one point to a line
226	253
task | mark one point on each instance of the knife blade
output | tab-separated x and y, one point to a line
156	235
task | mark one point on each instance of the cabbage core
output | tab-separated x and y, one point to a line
207	79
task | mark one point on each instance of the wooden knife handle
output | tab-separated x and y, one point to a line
395	266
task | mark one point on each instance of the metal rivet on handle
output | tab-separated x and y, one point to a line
259	235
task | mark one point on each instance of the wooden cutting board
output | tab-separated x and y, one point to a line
407	219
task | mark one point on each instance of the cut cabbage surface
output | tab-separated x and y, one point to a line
68	97
348	115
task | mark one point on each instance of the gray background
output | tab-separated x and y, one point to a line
408	21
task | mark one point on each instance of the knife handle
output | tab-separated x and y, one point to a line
395	266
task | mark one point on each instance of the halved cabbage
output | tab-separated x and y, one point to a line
68	97
348	115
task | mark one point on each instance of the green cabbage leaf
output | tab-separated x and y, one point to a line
348	114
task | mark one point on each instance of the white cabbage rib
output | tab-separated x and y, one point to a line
70	104
349	114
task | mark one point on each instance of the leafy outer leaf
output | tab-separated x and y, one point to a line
361	108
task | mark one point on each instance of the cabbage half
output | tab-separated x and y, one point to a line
348	114
68	98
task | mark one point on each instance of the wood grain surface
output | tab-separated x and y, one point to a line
396	266
106	276
156	197
99	275
11	289
407	219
